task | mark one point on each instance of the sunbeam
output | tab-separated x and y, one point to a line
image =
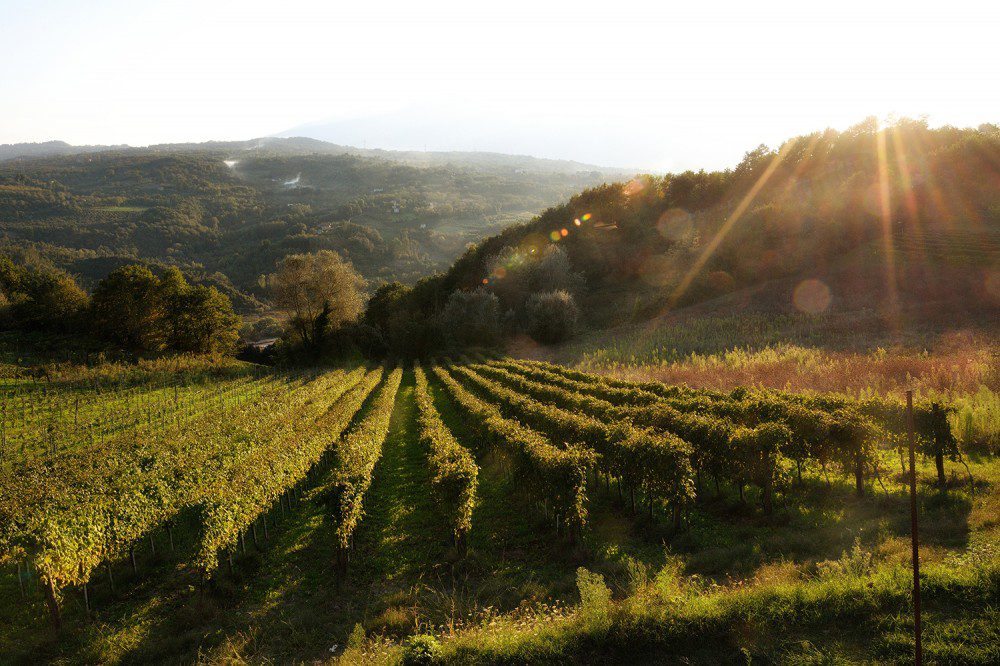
737	213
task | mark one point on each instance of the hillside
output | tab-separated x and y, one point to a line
226	211
904	221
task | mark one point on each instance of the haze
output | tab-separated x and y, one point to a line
645	85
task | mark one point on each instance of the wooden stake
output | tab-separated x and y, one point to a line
918	652
53	604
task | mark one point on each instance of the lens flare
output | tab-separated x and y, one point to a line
812	296
675	224
576	221
486	280
554	236
586	217
564	232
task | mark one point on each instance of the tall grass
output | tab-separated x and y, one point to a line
668	618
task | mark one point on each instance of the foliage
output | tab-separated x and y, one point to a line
319	293
551	474
595	597
39	298
551	317
134	308
454	472
472	318
88	505
274	461
420	650
344	485
392	215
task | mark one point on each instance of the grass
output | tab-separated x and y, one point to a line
825	620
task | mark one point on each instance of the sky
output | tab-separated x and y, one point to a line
652	85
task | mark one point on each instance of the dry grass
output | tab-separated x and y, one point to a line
954	371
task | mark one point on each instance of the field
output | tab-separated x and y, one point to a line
482	510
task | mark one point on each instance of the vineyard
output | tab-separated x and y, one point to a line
377	489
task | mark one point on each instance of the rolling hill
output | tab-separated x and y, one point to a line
226	211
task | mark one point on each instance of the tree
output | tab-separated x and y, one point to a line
551	317
134	308
127	308
472	318
201	320
319	292
54	300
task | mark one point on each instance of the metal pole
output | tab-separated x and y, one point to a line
918	653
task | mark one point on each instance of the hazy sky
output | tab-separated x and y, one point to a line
657	85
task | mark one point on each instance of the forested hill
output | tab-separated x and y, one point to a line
902	220
225	212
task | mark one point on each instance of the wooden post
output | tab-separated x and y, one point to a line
20	581
918	653
53	604
131	554
111	578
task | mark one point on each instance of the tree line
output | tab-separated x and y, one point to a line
131	308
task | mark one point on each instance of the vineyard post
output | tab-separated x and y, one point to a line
53	603
918	655
20	580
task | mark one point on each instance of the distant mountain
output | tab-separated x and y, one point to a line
9	151
303	145
564	139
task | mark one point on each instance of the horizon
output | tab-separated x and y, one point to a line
654	89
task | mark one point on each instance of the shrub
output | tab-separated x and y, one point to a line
595	596
551	317
420	649
472	318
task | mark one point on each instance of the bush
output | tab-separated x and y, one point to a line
595	596
551	317
420	649
472	318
